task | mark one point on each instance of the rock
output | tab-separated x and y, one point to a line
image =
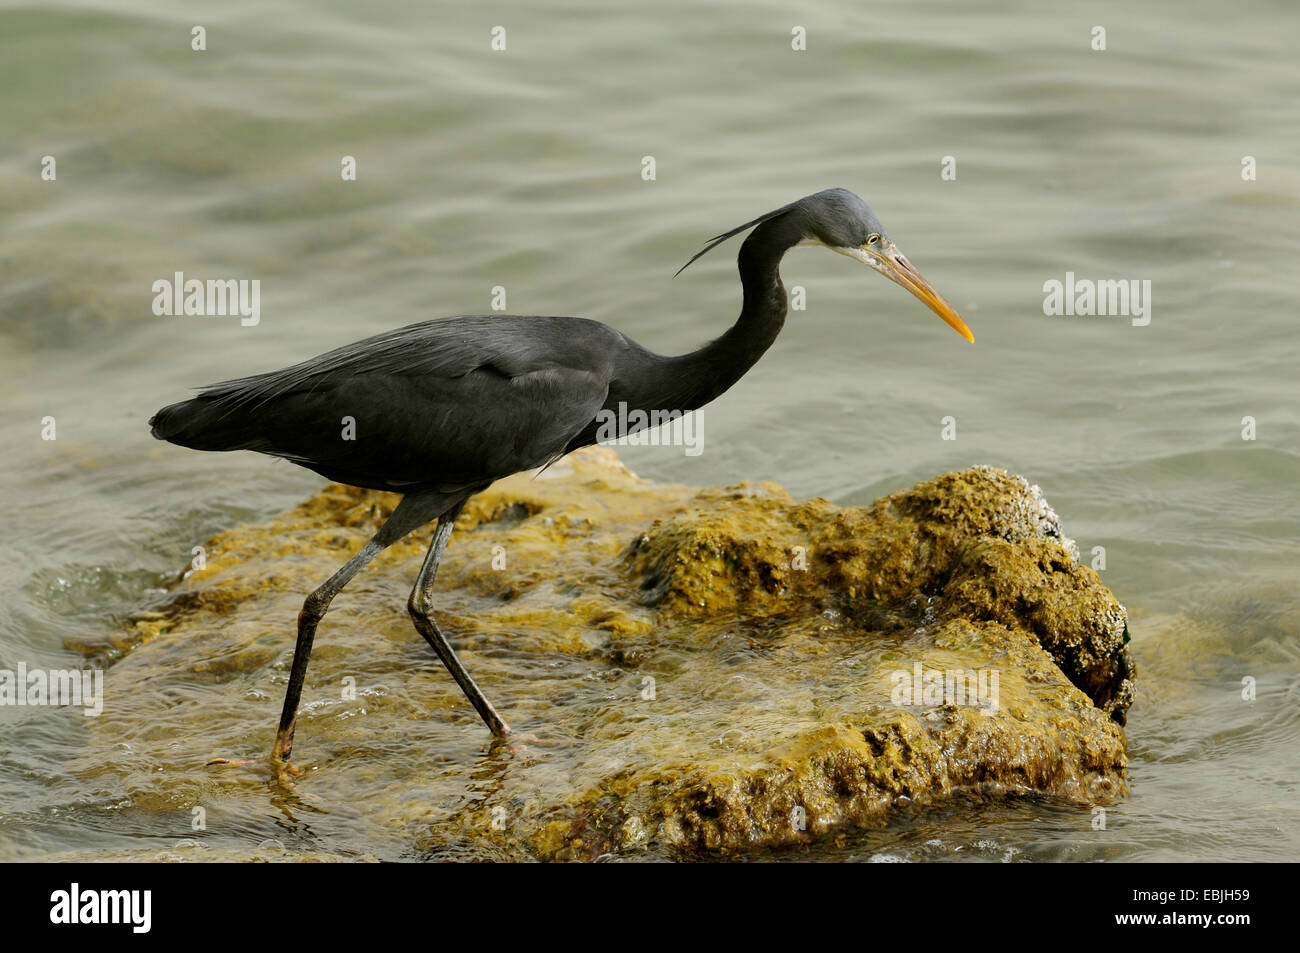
716	670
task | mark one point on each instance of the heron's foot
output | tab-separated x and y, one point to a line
233	762
505	737
284	773
520	743
281	767
282	770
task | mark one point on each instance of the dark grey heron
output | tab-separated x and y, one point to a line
445	407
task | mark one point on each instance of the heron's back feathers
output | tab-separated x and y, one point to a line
443	403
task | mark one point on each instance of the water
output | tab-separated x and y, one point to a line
523	169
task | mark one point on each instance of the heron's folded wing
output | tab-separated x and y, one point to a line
399	430
451	402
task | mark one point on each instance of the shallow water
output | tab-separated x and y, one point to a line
522	169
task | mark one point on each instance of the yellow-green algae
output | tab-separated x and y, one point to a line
702	670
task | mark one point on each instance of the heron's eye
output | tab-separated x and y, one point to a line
873	239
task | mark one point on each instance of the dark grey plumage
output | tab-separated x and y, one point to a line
440	404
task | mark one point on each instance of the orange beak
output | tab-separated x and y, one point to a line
894	266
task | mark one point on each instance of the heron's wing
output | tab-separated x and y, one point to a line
454	402
396	431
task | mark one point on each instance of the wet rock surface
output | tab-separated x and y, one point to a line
697	671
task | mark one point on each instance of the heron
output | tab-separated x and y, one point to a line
445	407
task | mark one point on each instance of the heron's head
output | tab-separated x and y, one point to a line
839	220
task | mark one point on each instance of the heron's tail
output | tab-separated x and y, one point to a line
203	424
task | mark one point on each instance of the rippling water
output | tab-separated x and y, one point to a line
522	169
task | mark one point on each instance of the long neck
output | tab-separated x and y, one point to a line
692	380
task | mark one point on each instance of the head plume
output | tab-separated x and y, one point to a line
717	240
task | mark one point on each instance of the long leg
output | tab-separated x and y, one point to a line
419	605
413	511
313	610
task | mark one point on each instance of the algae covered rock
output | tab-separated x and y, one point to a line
695	670
980	545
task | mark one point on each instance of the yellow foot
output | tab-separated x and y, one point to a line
519	743
284	773
282	770
232	761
